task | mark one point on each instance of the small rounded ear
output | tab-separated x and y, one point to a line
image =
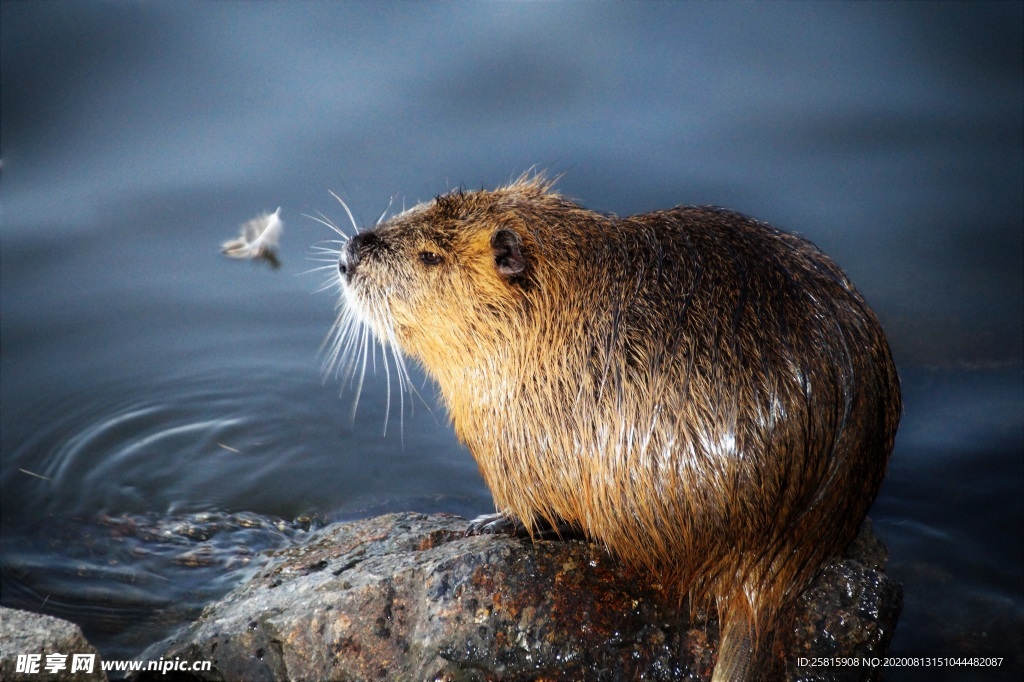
508	253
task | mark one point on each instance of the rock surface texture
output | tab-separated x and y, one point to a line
408	597
24	633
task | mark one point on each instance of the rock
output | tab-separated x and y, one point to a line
406	596
30	634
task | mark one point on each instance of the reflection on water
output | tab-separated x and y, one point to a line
145	379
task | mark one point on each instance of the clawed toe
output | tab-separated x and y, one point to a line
502	524
495	524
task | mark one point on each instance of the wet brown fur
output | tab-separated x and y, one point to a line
707	396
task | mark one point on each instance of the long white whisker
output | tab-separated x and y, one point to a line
387	373
381	218
350	348
362	358
346	331
345	206
362	375
329	285
351	357
325	221
340	330
333	266
403	382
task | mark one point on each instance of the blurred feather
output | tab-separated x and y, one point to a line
258	239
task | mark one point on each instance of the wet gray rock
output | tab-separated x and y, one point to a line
25	633
406	596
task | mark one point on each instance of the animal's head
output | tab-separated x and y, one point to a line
451	275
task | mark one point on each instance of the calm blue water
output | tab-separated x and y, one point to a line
144	377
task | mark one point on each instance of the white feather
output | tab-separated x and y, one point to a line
258	237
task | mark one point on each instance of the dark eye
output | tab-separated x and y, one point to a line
430	258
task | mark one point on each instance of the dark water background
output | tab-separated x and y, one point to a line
137	137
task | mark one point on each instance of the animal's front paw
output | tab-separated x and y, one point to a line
496	524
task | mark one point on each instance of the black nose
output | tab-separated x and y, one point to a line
355	250
347	261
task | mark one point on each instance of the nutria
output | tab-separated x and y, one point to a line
707	396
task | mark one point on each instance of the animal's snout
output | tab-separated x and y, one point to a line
354	252
347	261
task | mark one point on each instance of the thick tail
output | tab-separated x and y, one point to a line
737	652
